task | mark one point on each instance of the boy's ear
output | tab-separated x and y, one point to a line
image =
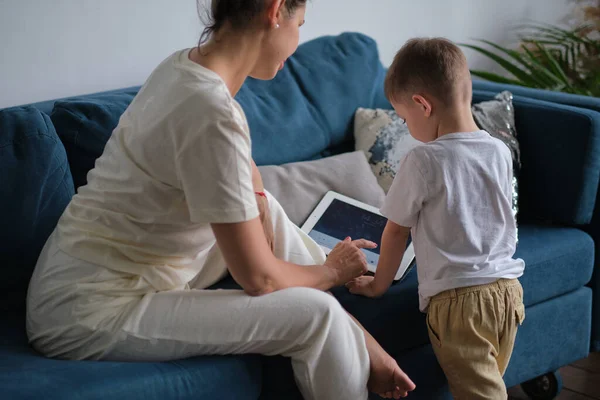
423	104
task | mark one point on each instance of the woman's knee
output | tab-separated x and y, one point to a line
318	303
319	319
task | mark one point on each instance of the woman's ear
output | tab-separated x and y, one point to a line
423	104
274	12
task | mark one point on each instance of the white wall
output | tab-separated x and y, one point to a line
57	48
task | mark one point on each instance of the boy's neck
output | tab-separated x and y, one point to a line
455	121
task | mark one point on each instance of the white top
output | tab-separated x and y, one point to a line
179	160
455	194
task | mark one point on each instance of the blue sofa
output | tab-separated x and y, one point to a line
593	227
306	113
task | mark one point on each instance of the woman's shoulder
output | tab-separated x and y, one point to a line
178	77
208	105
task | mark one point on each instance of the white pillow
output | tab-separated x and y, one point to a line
385	140
300	186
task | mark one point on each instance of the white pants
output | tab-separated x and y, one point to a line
327	349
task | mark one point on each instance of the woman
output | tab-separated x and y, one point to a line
173	205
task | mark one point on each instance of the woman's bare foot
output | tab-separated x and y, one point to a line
387	379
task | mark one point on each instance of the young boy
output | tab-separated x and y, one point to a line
454	194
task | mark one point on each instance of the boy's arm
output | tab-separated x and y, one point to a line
402	207
393	246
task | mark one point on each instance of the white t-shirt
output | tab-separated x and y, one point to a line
179	160
455	194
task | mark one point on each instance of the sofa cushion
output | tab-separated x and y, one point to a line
309	107
299	187
85	124
35	188
557	261
25	374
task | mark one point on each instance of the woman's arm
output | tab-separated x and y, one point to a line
253	265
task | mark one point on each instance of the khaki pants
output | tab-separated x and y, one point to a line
473	331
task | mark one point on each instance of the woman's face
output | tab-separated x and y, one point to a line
279	44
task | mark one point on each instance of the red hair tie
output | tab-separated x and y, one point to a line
261	194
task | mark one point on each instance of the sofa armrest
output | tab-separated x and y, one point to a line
559	180
594	230
591	103
560	154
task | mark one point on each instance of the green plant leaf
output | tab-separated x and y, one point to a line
541	31
551	57
555	66
520	59
495	77
561	36
539	68
557	32
521	75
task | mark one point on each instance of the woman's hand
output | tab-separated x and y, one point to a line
347	261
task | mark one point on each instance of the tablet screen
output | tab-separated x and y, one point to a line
341	220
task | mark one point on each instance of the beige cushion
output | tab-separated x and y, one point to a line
299	187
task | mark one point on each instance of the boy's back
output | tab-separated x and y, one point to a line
456	194
464	232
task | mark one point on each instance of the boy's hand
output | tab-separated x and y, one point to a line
364	286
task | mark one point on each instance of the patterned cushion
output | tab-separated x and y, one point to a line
385	140
497	117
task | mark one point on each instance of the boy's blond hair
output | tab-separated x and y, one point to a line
429	66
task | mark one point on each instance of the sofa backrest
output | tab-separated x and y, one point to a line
588	102
35	187
304	113
309	107
85	125
560	156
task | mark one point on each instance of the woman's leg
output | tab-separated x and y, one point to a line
294	246
328	352
290	243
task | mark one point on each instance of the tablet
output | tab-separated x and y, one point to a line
338	216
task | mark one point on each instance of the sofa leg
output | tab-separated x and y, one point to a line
545	387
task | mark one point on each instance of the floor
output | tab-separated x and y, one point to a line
581	381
